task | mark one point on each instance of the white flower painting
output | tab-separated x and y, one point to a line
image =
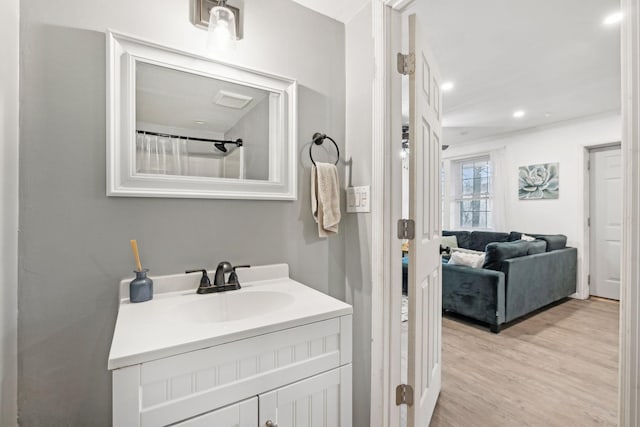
539	182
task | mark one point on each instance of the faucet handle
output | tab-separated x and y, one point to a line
204	280
233	277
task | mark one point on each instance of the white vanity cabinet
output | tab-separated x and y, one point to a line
297	377
242	414
316	401
289	367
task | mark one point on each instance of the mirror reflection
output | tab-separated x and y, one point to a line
196	126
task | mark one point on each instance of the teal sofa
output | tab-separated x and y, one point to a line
517	278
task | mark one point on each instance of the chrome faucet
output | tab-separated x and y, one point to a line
219	284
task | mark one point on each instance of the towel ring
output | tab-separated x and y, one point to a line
318	139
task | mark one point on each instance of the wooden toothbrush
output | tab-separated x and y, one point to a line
136	254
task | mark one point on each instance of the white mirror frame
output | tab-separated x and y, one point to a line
122	179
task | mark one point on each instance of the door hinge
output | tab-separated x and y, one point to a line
406	229
588	279
404	395
406	64
588	165
589	222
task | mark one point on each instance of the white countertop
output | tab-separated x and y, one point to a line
177	320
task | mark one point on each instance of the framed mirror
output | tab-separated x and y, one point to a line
181	125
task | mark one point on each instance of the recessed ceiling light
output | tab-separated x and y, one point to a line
547	114
200	122
614	18
446	86
518	114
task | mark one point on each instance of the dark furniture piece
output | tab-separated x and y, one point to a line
517	278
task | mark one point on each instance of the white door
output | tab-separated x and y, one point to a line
606	222
425	279
320	401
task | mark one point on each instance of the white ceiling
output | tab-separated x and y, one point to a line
553	59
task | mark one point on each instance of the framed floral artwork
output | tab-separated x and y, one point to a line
539	182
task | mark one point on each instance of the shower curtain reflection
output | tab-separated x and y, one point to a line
161	155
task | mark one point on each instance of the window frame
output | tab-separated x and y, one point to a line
484	198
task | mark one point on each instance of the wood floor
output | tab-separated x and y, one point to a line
558	367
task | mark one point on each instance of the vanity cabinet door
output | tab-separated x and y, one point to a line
241	414
320	401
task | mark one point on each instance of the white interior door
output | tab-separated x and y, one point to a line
425	279
606	222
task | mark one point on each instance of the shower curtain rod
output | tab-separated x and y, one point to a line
238	141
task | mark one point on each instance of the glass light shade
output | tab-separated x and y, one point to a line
222	29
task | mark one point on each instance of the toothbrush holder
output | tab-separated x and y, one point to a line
141	288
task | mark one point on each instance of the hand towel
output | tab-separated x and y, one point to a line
325	198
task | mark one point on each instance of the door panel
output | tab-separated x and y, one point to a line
320	401
606	222
425	283
242	414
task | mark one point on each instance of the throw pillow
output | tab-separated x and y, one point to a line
450	241
467	251
470	260
527	238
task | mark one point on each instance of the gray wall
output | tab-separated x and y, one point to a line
359	78
9	28
74	240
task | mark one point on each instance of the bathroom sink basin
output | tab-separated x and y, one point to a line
178	320
232	306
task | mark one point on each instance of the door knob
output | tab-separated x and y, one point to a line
270	423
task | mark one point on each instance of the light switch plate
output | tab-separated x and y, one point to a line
358	199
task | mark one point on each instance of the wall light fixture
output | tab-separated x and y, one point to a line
222	21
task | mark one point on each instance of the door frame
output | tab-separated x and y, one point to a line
385	211
629	373
385	265
583	290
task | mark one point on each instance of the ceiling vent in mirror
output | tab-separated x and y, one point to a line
232	100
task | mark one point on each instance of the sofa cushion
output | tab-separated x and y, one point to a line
515	235
537	246
499	251
478	240
554	241
461	236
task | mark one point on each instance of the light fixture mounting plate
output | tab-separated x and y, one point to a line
202	10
